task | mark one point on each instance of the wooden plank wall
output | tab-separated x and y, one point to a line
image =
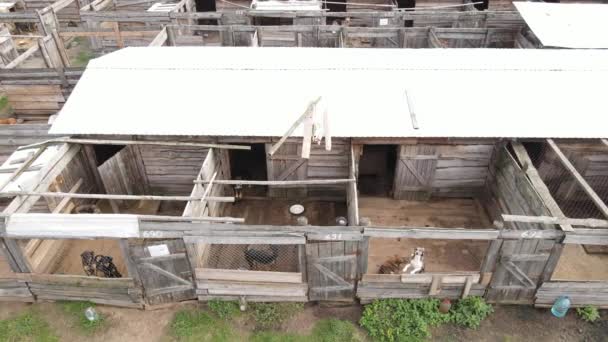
453	171
171	170
111	291
217	162
254	285
70	13
44	255
322	164
510	192
377	286
13	290
124	173
13	136
35	94
581	293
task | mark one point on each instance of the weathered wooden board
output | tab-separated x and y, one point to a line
581	293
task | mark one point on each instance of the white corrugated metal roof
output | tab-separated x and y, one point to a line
262	91
578	26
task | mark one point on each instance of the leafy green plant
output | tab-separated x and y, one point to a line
272	315
192	325
469	312
410	319
75	310
402	319
224	309
28	326
588	313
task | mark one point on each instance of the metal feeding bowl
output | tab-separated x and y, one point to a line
296	209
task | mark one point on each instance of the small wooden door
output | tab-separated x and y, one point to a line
519	270
287	164
414	172
164	269
332	270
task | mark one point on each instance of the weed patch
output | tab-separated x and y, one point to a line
75	311
410	320
272	315
588	313
200	326
224	309
28	326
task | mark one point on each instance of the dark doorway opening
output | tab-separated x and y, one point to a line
407	4
250	165
105	152
205	5
377	170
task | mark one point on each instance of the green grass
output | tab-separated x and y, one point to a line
5	107
200	326
75	311
327	330
224	309
83	58
271	315
28	326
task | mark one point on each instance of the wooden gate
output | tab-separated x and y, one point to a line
332	270
286	164
164	270
414	172
519	270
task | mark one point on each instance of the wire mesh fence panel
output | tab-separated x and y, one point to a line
569	194
259	257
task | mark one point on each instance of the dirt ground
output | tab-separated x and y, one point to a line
439	255
506	324
576	264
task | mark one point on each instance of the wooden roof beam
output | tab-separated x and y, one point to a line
135	142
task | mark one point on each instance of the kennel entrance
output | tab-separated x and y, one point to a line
377	170
332	269
164	270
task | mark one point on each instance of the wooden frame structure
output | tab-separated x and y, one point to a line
524	244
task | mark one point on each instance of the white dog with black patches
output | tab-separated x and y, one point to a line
416	262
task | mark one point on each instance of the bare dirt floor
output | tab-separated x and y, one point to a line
507	324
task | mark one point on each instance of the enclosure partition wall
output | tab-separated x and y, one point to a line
448	198
575	175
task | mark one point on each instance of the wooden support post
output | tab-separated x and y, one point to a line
601	206
435	285
129	261
467	287
538	184
91	158
119	41
307	139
